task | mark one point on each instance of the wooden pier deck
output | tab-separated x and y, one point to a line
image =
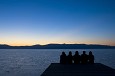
97	69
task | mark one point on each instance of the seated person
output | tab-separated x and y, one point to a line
84	58
91	58
69	58
63	58
76	58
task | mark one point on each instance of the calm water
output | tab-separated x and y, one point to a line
32	62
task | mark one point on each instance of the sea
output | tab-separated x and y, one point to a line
33	62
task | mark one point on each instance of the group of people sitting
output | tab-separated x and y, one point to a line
83	58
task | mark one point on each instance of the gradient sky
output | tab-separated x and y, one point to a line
28	22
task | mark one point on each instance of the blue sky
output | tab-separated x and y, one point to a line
28	22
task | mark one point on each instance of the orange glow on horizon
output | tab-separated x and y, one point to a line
24	44
28	42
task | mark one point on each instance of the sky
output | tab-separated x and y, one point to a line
29	22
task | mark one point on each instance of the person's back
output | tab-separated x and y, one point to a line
69	58
84	58
76	58
63	58
91	57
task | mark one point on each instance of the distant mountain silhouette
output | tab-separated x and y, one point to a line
59	46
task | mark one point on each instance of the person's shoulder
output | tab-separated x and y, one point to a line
81	54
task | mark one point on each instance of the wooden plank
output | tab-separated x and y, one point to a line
96	69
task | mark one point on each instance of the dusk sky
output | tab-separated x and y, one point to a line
29	22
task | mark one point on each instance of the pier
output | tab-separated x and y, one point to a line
96	69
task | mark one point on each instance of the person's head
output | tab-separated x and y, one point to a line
90	53
76	53
63	53
84	52
70	53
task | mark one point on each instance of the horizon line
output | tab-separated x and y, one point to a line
56	43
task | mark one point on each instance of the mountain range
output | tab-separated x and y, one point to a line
59	46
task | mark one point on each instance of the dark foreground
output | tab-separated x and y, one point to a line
96	69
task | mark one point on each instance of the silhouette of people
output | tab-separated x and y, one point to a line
76	58
63	58
91	58
69	58
84	58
